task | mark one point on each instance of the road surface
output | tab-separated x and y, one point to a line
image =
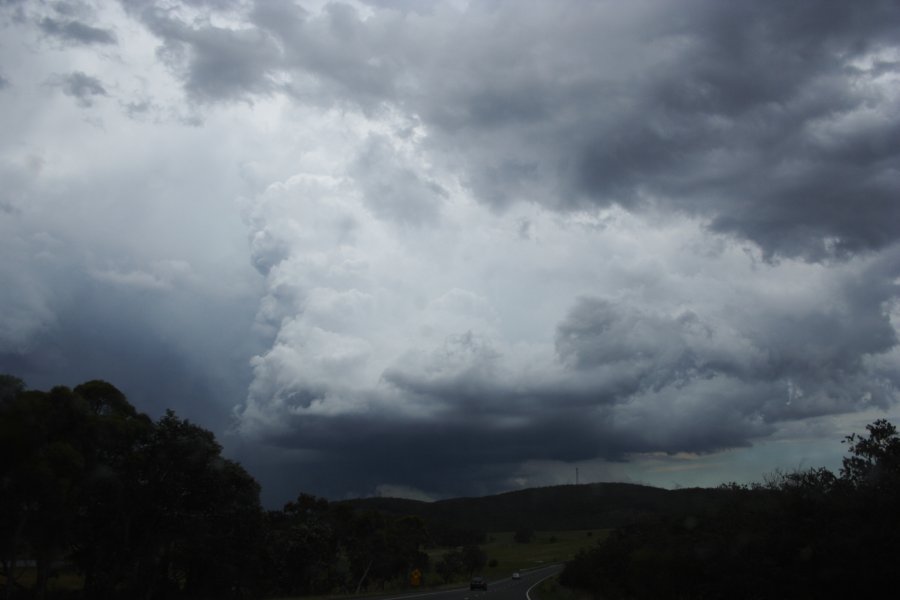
498	589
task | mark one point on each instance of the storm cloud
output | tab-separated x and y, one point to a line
576	104
84	88
458	247
76	32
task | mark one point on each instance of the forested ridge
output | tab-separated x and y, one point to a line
560	507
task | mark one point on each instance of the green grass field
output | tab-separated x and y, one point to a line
546	547
63	579
549	589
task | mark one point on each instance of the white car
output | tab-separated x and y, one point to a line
517	575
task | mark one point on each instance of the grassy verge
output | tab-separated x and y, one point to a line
549	589
505	555
547	547
62	579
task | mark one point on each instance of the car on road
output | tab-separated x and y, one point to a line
517	575
478	583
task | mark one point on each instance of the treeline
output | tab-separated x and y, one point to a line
806	534
136	508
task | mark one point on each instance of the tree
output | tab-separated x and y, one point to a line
42	440
10	387
199	514
143	509
407	536
874	460
107	544
366	547
450	565
301	549
474	558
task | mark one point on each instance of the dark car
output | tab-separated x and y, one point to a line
478	583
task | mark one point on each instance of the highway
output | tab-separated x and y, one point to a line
498	589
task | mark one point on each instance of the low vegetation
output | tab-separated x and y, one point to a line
551	589
544	548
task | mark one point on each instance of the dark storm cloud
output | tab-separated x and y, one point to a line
741	123
283	17
216	63
462	454
768	121
817	355
225	64
216	5
634	380
335	58
480	446
221	63
82	87
76	32
16	9
413	6
393	190
128	331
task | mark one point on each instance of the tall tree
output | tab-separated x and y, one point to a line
200	514
143	509
301	548
106	546
874	460
42	439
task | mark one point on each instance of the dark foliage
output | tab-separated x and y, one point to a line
137	508
808	534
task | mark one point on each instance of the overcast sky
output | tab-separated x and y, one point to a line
443	248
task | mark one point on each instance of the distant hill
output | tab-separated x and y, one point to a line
564	507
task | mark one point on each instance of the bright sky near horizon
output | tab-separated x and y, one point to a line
443	248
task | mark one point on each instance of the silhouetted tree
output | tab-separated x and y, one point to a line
874	461
200	514
142	509
450	565
42	446
106	547
301	548
10	387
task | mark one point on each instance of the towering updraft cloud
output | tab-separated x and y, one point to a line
496	238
